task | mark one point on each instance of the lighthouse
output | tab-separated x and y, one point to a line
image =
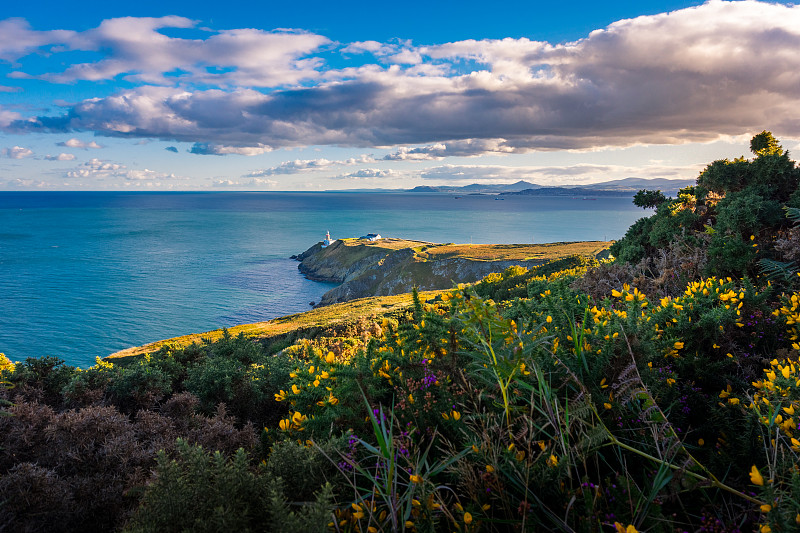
328	241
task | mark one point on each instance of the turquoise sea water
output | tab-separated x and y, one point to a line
87	274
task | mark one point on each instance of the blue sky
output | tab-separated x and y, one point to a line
322	95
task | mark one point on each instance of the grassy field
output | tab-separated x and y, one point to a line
481	252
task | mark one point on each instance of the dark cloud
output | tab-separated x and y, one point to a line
171	149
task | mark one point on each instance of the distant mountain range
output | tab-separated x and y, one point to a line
623	187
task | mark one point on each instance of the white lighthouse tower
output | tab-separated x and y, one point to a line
328	241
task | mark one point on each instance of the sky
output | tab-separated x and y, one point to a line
320	95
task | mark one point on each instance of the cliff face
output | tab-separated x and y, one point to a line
394	266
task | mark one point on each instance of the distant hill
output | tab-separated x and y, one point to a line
622	187
490	188
667	186
570	191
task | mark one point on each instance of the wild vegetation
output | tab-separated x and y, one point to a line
659	392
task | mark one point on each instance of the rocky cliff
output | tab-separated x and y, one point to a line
395	266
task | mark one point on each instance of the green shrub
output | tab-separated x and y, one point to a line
42	378
203	492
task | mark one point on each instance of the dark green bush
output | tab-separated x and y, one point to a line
203	492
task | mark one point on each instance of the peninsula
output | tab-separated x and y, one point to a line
395	266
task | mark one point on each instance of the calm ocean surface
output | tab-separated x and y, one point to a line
87	274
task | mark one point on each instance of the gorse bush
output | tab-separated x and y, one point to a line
738	203
205	492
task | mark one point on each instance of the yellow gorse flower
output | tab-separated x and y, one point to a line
755	476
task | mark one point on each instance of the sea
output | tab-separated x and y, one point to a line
86	274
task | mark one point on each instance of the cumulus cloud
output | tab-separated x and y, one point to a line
8	117
17	39
293	167
691	75
97	169
77	143
303	165
17	152
218	149
370	173
462	148
137	49
60	157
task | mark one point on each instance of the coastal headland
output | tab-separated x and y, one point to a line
394	266
376	280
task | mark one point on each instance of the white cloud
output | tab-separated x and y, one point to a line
691	75
60	157
20	183
218	149
303	165
462	148
255	182
293	167
76	143
97	169
135	48
371	173
8	117
17	39
17	152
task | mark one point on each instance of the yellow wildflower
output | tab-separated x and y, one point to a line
467	518
755	476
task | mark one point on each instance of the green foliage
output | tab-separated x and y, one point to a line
48	375
634	246
140	386
306	466
732	201
765	144
200	491
723	176
647	199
